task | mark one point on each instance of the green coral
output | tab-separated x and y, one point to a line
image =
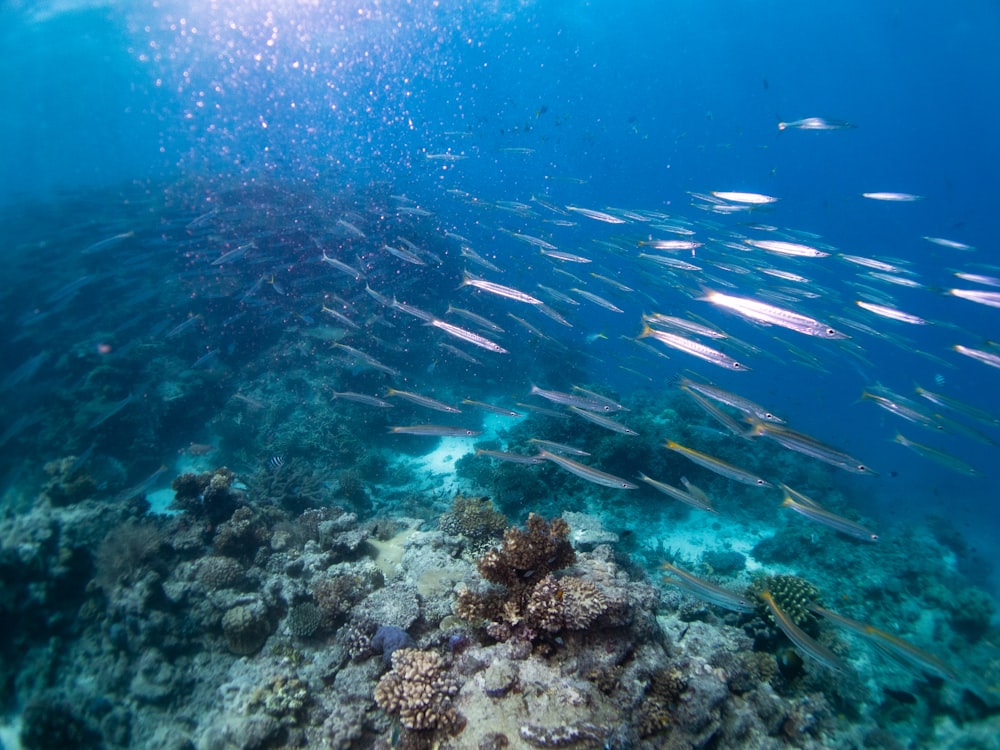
792	594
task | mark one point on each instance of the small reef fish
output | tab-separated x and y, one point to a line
940	457
771	315
717	465
516	458
694	348
198	449
468	336
558	447
893	197
813	511
426	401
706	590
433	430
677	494
753	199
498	289
815	123
362	398
601	421
587	472
909	654
810	446
809	647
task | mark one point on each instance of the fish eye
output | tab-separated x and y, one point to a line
831	332
873	537
769	416
737	366
761	482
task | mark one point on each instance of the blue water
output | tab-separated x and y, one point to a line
643	102
598	104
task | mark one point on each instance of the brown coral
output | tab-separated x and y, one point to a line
535	602
529	555
418	691
570	603
475	518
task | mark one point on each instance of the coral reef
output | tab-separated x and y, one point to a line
124	552
527	556
245	627
208	494
66	482
474	518
791	593
534	604
418	691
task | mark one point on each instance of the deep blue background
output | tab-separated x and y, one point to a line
641	101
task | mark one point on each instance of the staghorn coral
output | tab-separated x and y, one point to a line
418	691
791	593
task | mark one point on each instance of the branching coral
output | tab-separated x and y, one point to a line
534	602
527	556
418	691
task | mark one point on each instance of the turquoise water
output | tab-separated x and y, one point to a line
226	223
